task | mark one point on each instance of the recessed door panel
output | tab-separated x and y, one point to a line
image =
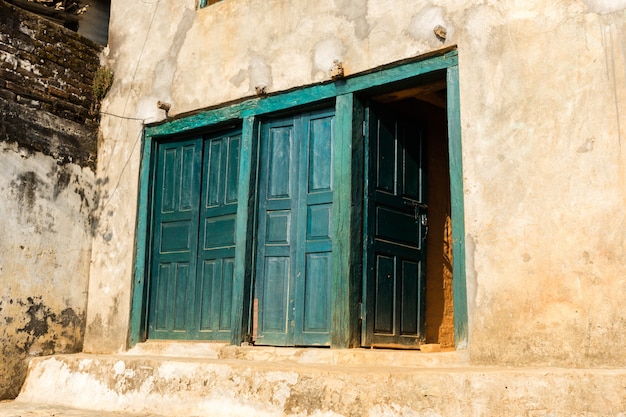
317	293
219	231
177	236
320	172
385	291
276	290
279	156
410	291
396	225
226	294
180	291
210	280
160	285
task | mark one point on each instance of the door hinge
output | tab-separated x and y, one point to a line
364	127
362	311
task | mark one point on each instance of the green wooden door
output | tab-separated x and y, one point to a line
395	233
293	255
216	251
193	246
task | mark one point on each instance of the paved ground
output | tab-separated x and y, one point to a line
22	409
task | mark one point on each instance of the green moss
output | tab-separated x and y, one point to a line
102	81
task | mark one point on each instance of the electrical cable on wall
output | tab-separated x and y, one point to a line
122	117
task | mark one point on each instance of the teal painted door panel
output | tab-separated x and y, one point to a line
294	221
275	232
395	233
193	246
216	252
175	225
312	314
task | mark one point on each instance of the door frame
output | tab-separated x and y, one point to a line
347	209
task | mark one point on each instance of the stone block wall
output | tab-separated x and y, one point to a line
48	144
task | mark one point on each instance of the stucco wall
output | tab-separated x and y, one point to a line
543	93
44	260
47	154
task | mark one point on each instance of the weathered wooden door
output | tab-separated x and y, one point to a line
216	251
192	248
395	233
293	255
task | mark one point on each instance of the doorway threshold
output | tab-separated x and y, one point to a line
301	355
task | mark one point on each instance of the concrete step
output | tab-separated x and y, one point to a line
218	380
24	409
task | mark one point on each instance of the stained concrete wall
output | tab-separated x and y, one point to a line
48	137
543	93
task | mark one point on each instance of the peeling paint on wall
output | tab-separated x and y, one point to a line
44	259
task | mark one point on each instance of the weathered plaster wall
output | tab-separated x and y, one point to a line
543	93
545	175
44	259
47	155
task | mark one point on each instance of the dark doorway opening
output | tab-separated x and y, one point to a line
408	286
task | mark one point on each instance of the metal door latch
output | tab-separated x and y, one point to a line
424	221
419	214
419	208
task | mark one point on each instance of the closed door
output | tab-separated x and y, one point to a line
395	233
294	243
193	246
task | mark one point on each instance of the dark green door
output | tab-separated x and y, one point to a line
395	233
293	255
193	246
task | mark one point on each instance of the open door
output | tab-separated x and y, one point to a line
395	231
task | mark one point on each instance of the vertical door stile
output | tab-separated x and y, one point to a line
299	242
347	222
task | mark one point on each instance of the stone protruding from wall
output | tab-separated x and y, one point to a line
48	137
46	77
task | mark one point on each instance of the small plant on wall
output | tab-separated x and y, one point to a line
102	81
